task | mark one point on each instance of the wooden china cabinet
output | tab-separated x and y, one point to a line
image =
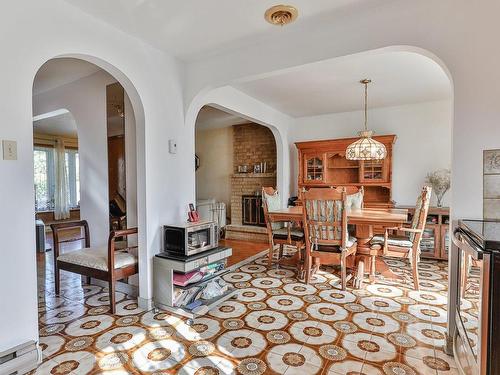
435	242
323	164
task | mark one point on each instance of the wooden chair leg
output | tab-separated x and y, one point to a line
317	265
415	274
57	279
300	264
271	250
358	282
373	270
308	268
343	272
112	296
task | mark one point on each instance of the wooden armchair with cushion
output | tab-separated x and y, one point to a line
408	245
325	229
279	233
104	263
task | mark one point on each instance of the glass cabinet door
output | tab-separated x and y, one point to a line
428	242
373	170
314	168
445	237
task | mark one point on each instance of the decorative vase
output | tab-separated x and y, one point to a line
439	197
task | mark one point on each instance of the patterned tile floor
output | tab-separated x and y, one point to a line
276	326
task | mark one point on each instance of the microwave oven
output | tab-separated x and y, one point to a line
190	238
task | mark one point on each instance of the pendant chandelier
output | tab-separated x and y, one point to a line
366	148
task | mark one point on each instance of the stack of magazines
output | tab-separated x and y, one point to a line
194	296
184	279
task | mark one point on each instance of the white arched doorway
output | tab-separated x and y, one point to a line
234	102
93	156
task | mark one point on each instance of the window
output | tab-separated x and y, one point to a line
45	178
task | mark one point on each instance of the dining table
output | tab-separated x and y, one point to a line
365	220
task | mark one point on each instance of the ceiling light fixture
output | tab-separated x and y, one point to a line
366	148
281	15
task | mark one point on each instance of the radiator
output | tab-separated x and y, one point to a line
212	211
20	359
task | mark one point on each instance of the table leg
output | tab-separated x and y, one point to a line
358	280
364	234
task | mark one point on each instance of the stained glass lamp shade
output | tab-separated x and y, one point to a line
366	148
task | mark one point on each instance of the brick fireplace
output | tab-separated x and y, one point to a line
246	184
253	144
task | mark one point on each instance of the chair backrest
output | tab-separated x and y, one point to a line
111	244
60	227
355	197
421	210
270	202
325	216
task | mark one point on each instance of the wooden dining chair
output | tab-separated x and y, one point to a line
325	229
407	245
105	263
281	233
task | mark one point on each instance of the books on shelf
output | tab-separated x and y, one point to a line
185	279
188	297
196	296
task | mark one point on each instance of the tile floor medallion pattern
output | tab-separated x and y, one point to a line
276	326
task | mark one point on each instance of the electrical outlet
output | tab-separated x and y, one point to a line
9	150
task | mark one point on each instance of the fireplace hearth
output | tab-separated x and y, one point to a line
252	211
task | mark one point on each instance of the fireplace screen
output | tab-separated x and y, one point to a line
253	213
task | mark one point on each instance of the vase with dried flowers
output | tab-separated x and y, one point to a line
440	182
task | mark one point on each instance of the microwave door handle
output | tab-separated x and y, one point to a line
463	245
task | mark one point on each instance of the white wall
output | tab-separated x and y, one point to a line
153	80
213	178
423	142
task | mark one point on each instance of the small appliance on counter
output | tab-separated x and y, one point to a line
190	238
477	338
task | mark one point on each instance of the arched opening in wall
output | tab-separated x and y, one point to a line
85	179
235	159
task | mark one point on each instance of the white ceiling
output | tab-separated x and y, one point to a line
333	86
58	72
190	28
213	118
62	125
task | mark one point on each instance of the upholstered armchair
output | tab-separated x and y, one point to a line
280	233
406	245
325	229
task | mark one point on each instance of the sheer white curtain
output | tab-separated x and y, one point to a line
61	193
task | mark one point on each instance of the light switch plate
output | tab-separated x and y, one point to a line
9	150
172	146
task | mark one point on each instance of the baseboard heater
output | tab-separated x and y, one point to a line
20	359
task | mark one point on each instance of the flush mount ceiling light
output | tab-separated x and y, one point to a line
366	148
281	15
